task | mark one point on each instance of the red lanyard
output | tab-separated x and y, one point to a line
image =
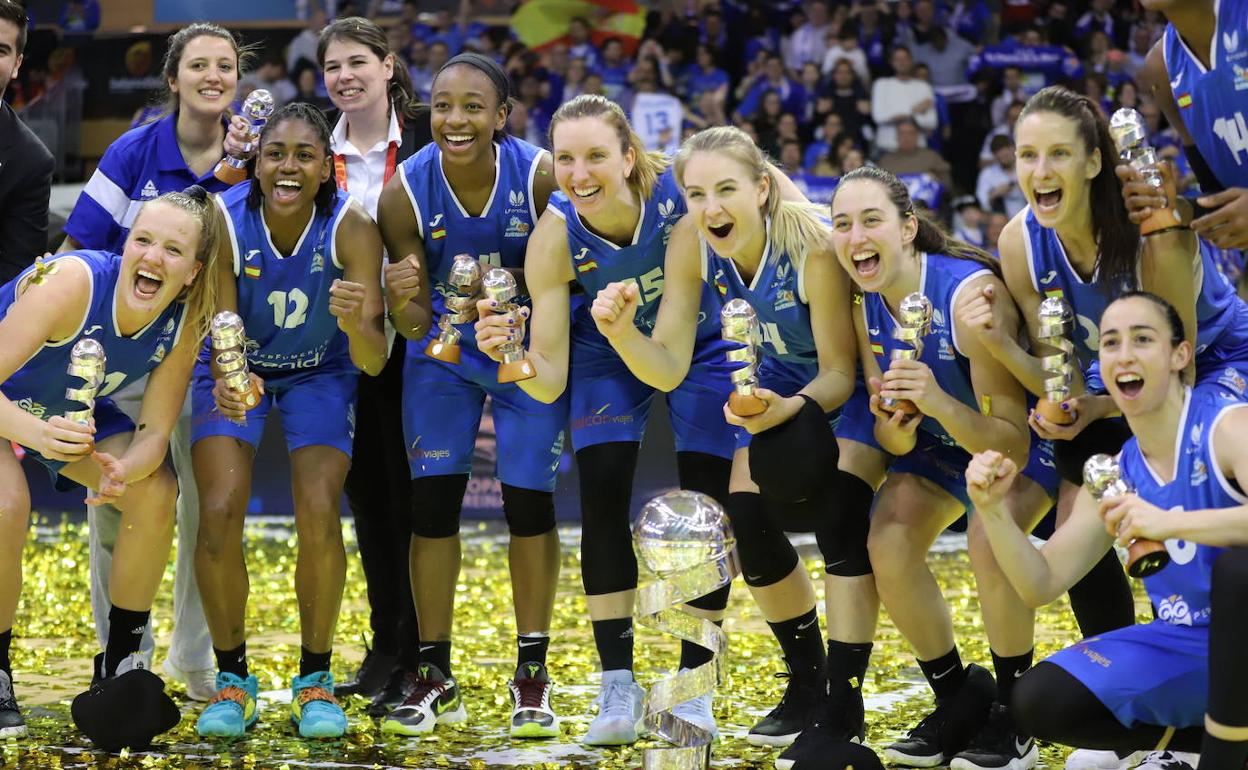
392	159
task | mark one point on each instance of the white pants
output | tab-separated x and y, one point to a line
191	647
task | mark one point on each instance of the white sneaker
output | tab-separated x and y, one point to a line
1091	759
620	704
201	685
1168	760
698	711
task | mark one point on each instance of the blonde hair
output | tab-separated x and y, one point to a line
796	226
200	297
649	165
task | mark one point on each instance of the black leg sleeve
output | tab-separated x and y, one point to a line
608	563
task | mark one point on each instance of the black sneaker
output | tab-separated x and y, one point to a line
531	713
839	718
397	687
791	715
372	675
998	746
11	723
1168	760
950	727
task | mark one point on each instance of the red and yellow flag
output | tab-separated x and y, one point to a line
542	23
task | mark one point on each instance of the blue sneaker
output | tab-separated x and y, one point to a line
232	709
313	708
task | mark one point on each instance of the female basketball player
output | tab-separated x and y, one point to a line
479	192
149	308
305	279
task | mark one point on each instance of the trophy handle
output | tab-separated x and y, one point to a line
514	371
746	405
1168	218
1145	557
1053	412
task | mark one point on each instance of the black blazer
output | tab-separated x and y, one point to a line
26	168
416	131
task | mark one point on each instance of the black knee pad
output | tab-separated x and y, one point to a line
705	473
1104	436
608	563
766	555
529	512
714	601
436	502
842	536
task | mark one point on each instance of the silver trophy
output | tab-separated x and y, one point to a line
465	280
739	324
257	109
1130	134
1102	475
229	345
914	319
500	286
685	539
1057	321
86	361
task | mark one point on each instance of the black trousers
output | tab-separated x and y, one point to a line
379	491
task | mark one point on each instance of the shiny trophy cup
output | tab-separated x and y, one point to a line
86	361
1131	135
500	286
740	325
684	538
257	108
914	319
465	279
1057	321
229	345
1103	478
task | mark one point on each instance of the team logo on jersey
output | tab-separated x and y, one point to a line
1049	277
785	299
720	284
1174	610
1200	472
1198	430
666	207
436	232
33	407
149	191
159	355
584	263
516	198
944	350
516	228
1230	41
92	330
1233	380
318	263
938	318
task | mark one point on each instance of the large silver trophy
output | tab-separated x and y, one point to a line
914	319
229	347
500	285
1103	478
257	109
86	361
465	279
1130	134
1057	321
685	539
739	324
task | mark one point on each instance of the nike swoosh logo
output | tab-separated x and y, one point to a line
946	672
1022	747
807	624
442	708
1019	674
528	644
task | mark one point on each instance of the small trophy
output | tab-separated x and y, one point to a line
740	325
257	108
686	541
1131	135
1057	321
914	319
86	360
500	286
229	344
465	279
1103	478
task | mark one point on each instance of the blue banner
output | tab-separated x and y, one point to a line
924	188
187	11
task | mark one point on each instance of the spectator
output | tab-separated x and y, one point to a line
579	44
912	158
418	68
997	189
613	68
968	220
832	126
767	122
1099	18
574	83
920	27
847	48
853	159
1142	39
521	126
813	90
901	96
992	232
875	31
809	42
851	101
271	76
1004	128
303	47
946	55
969	18
308	87
80	19
830	165
772	78
26	166
1012	91
655	116
705	75
454	32
706	113
1126	95
714	33
791	158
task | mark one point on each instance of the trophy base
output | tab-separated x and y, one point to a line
444	352
1146	557
228	174
252	399
746	405
514	371
1053	412
903	406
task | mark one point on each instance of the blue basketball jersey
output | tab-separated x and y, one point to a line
1180	591
39	385
778	295
597	262
1212	101
497	237
941	279
284	299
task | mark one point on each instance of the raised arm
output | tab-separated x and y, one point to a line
356	299
407	280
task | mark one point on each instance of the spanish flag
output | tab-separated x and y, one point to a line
251	271
1184	100
1054	293
438	234
542	23
586	266
877	348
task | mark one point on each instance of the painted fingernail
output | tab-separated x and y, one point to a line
1065	407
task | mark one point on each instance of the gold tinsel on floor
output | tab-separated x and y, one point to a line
54	642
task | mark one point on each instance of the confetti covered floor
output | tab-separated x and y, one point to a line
52	653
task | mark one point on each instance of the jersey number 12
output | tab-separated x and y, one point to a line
285	317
